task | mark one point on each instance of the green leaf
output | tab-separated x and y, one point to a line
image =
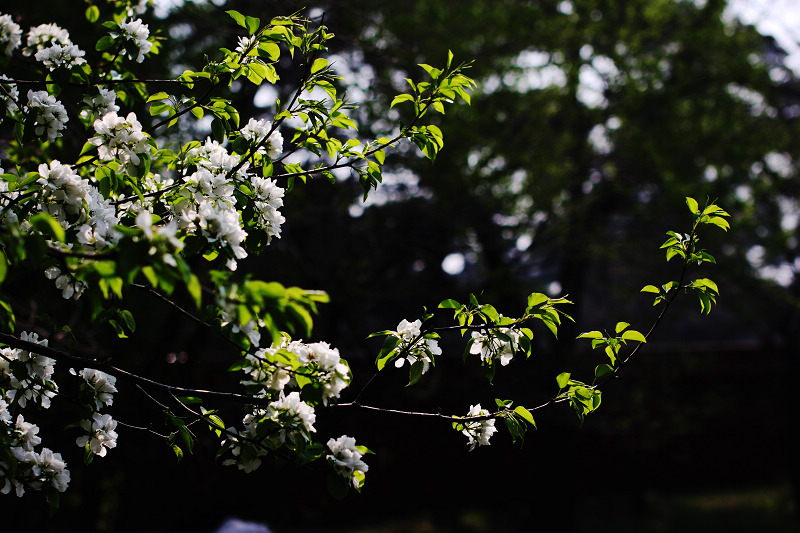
252	24
621	326
195	290
218	130
272	50
602	370
525	415
449	304
591	335
161	95
633	335
92	13
693	205
387	352
3	266
319	64
178	451
536	299
48	225
401	98
432	71
651	288
104	43
563	379
415	373
238	17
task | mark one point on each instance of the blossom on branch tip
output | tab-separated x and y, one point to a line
49	114
101	385
490	346
137	32
38	385
10	34
44	36
478	432
423	349
120	138
346	460
100	104
70	287
100	435
256	131
60	55
291	411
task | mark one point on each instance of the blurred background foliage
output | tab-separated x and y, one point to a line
592	121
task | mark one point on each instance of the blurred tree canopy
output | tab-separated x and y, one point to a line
593	119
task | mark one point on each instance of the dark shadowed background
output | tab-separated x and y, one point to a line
592	121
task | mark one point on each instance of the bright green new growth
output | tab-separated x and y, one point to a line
182	238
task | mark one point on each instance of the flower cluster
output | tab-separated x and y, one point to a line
72	200
70	287
416	348
99	386
136	33
51	45
272	369
49	114
120	138
270	373
25	379
287	418
33	470
491	346
100	435
9	94
345	457
208	204
163	238
104	102
258	133
478	432
35	383
10	34
292	412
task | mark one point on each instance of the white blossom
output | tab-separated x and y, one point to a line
100	434
246	454
26	434
70	287
64	187
137	32
295	408
8	99
268	199
478	432
120	138
100	104
50	467
490	346
49	114
346	460
256	131
423	349
138	8
45	35
10	34
5	414
333	373
269	375
59	55
220	222
101	384
38	386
